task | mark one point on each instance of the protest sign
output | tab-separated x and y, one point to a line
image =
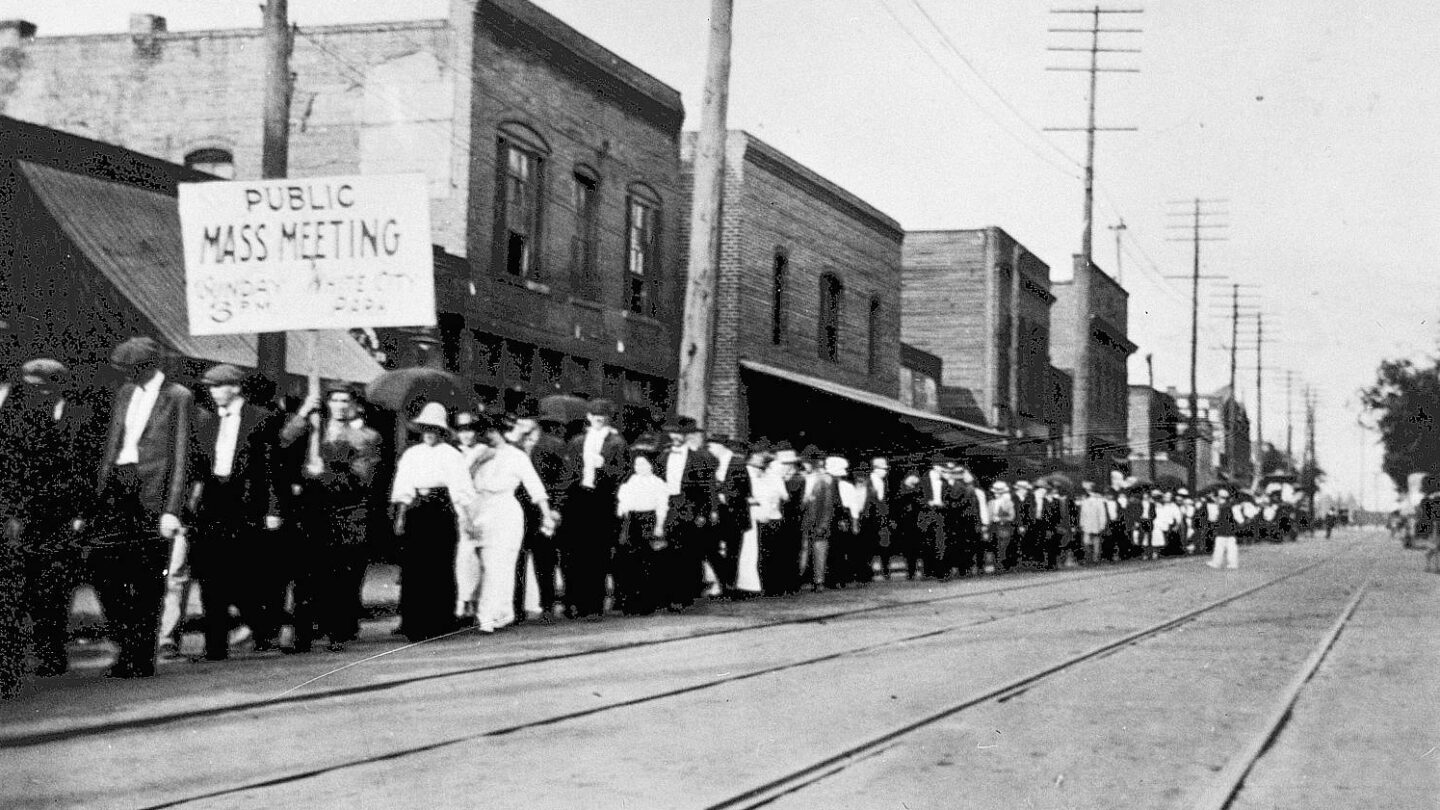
307	253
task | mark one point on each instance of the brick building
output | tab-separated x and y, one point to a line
981	301
807	333
553	167
1109	396
1154	434
1224	431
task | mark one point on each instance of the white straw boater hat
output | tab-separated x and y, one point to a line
432	416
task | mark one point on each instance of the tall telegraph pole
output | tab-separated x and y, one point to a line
1080	408
275	150
1192	435
1119	228
705	206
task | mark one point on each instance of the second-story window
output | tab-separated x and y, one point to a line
520	210
642	251
872	348
832	291
584	245
779	277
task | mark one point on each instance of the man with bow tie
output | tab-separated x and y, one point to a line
689	471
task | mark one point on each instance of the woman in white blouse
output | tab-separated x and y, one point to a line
431	489
641	503
497	526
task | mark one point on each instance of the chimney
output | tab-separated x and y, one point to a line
144	25
14	33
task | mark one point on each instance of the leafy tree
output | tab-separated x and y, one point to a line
1405	403
1274	460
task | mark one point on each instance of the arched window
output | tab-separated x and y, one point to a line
832	291
642	249
778	320
218	162
519	200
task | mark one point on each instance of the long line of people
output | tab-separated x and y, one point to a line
270	514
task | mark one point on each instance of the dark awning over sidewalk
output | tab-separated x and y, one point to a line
132	236
951	433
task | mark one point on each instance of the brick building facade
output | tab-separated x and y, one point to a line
960	303
1110	349
553	166
1155	434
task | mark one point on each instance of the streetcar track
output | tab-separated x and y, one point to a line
1230	781
575	715
821	770
37	738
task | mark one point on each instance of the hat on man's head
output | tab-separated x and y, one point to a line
719	438
812	453
137	351
43	369
837	465
682	424
950	465
600	407
223	374
432	417
999	486
1022	484
465	420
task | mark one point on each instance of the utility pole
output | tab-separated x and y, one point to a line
1259	395
706	202
1192	436
1309	464
1289	416
275	151
1119	228
1233	310
1080	398
1150	373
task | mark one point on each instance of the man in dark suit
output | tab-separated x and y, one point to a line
47	440
332	493
595	463
732	511
141	491
235	510
965	518
689	473
877	519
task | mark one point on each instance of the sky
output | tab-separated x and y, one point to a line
1310	124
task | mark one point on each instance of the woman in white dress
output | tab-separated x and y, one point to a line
1167	519
497	527
431	493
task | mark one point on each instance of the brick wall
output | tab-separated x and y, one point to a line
1109	354
367	99
773	203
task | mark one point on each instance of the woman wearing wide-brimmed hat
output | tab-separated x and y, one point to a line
431	492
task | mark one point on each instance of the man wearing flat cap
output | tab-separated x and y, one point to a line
595	465
235	508
45	485
142	488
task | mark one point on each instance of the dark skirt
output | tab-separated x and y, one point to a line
427	567
637	589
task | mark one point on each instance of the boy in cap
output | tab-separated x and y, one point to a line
141	493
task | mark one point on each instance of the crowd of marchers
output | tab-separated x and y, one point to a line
496	517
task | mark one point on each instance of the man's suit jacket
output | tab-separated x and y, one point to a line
824	513
251	491
880	510
733	496
697	487
49	475
610	473
164	447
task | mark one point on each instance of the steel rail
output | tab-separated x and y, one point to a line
814	772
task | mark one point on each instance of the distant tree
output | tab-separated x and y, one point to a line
1274	460
1405	404
1310	475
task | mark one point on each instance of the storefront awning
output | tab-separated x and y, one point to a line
132	236
944	429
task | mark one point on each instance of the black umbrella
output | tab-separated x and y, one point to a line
404	389
563	408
